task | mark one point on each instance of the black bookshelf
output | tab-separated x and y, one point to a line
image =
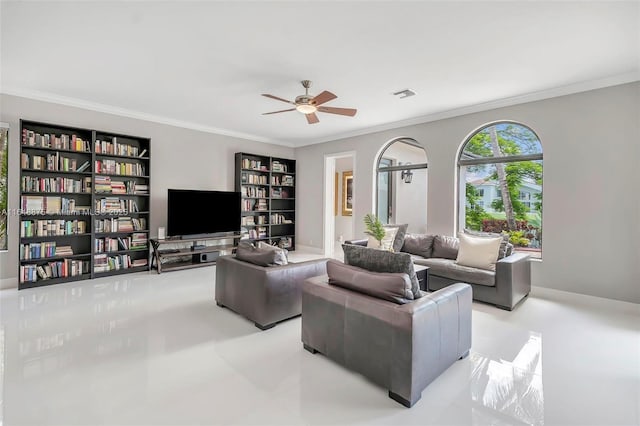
64	176
268	187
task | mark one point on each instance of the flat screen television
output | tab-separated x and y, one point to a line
194	212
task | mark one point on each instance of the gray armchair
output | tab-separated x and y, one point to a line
402	347
265	295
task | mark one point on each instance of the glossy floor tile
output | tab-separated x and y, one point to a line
155	349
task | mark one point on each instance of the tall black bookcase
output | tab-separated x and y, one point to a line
84	204
268	188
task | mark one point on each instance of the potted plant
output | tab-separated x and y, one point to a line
375	227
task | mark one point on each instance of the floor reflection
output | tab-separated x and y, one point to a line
512	388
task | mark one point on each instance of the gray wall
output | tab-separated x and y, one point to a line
591	203
180	158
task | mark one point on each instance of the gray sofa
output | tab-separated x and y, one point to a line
402	345
265	295
505	287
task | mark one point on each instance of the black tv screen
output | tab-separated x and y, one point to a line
193	212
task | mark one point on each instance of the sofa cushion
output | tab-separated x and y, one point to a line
445	247
382	261
281	255
394	287
262	256
418	244
503	244
387	241
400	234
448	268
478	252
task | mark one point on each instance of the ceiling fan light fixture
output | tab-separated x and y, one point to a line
306	108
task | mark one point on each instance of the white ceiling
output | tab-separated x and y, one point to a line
204	64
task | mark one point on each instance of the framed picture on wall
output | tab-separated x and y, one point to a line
347	193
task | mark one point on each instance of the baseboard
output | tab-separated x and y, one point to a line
7	283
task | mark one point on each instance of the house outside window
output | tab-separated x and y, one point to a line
500	176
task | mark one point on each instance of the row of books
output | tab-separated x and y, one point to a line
254	179
52	163
254	191
285	180
115	205
105	263
37	204
254	220
38	250
109	244
253	164
255	205
277	166
57	269
57	184
51	227
49	140
113	167
114	147
280	219
259	232
106	185
279	193
120	224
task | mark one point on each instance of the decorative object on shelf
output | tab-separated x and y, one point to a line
347	193
309	105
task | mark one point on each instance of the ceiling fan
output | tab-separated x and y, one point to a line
309	105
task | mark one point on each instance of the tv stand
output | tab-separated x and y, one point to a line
187	252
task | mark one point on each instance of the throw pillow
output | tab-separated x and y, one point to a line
387	241
503	245
280	255
400	234
394	287
445	247
265	256
382	261
478	252
418	244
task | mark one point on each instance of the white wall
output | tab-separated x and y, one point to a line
343	224
591	153
180	158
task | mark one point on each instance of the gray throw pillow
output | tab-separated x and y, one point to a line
445	247
502	251
394	287
382	261
260	256
418	244
399	239
280	255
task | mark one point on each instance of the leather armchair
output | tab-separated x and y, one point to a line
265	295
402	347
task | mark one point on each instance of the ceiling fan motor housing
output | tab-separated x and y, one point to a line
304	100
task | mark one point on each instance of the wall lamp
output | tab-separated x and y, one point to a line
406	175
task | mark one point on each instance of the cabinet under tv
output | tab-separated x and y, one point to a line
178	252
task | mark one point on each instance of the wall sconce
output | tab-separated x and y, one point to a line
406	176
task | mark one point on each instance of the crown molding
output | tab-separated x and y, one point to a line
123	112
570	89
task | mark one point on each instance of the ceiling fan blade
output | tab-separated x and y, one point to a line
276	112
341	111
277	98
323	98
312	118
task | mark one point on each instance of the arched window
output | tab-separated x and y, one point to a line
401	184
500	178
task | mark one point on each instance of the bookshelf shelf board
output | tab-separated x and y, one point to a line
119	213
49	281
143	249
48	259
54	193
106	234
126	157
62	172
283	173
126	176
121	271
77	215
45	148
281	198
53	237
111	194
282	211
284	186
256	170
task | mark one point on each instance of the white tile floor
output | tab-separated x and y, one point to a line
155	349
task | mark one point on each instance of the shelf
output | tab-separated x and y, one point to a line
111	194
44	148
54	258
50	281
118	213
64	172
129	176
282	211
46	237
280	198
175	240
106	234
121	271
255	170
77	214
55	193
283	173
110	253
126	157
282	224
188	252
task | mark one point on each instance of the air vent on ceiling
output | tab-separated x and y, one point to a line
405	93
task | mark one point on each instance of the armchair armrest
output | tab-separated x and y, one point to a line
513	279
361	242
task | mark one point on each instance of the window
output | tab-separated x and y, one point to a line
508	157
4	161
401	184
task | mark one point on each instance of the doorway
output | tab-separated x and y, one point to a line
339	201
